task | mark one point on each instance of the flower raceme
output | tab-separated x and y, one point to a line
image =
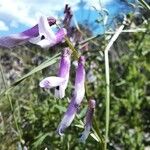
77	98
61	81
41	34
88	120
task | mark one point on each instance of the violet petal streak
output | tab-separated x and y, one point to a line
64	69
88	121
76	99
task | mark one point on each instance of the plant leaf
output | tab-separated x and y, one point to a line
45	64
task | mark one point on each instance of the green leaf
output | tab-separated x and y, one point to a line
94	137
39	139
45	64
60	108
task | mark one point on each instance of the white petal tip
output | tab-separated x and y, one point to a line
60	131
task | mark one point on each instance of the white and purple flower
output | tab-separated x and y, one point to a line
41	34
77	98
47	38
51	82
64	70
61	81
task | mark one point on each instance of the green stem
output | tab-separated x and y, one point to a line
107	98
11	105
96	130
75	53
15	119
144	4
107	74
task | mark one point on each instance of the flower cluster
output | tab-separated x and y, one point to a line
42	35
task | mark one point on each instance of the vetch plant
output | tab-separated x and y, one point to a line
43	35
34	114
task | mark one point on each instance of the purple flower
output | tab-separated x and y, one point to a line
64	70
79	90
51	82
77	98
88	121
47	37
23	37
41	35
68	16
68	117
60	82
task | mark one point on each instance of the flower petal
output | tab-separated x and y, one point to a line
64	70
47	37
51	82
60	35
13	40
68	117
88	121
42	43
68	16
76	99
85	134
23	37
79	81
34	31
45	30
60	91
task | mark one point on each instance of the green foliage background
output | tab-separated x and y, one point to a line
29	116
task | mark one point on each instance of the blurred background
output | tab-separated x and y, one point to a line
29	116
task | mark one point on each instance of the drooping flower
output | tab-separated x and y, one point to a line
79	90
77	98
88	121
64	69
23	37
68	117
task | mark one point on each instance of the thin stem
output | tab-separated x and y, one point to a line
110	33
3	78
75	53
107	74
144	4
107	98
101	139
11	105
